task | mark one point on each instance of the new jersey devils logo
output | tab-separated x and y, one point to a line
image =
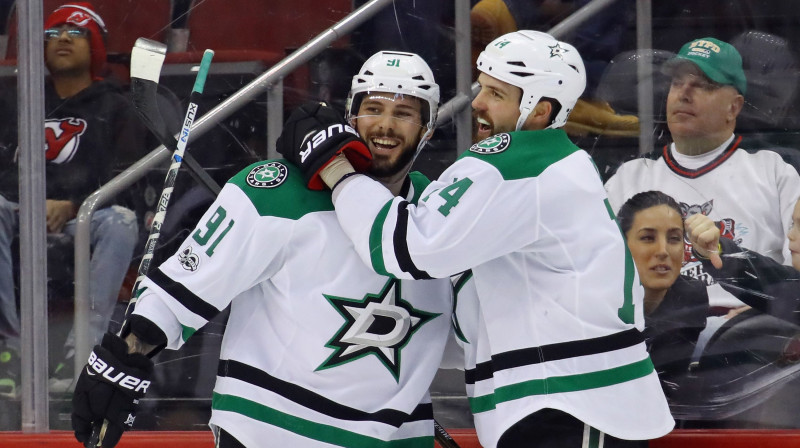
79	18
62	138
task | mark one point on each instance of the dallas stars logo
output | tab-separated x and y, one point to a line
492	145
268	175
380	324
557	50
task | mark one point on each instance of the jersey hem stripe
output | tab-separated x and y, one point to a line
312	430
553	352
562	384
303	397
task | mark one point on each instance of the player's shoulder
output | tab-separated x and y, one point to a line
523	154
419	182
277	188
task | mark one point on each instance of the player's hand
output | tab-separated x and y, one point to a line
704	235
336	170
314	135
108	390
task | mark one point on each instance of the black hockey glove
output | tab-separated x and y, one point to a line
313	135
108	389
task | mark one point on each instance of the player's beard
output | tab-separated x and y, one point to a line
382	167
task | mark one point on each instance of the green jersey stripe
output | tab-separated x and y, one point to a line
592	438
306	428
375	241
560	384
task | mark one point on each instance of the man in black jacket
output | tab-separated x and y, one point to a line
89	128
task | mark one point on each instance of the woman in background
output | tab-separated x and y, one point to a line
675	306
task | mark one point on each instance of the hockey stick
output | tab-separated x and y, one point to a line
147	57
442	437
144	93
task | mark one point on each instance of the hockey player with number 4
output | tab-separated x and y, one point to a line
554	351
319	350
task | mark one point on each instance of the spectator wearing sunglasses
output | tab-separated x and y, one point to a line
89	124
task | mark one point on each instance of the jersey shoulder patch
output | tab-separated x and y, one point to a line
276	188
523	154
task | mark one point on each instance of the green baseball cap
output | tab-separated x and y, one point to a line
717	59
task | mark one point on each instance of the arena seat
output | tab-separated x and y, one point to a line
241	31
250	25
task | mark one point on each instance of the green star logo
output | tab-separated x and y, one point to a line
492	145
268	175
379	324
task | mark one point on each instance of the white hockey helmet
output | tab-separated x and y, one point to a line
400	73
541	66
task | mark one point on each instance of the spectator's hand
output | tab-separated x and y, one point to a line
314	135
704	235
58	213
736	311
108	389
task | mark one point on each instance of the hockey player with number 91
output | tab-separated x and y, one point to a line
552	314
319	350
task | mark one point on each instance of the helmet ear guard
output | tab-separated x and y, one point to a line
541	66
400	73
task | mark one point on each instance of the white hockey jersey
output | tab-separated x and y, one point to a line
751	195
319	350
556	313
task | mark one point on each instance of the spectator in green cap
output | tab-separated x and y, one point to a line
750	193
706	95
718	60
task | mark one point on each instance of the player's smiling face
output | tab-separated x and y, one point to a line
496	107
655	240
392	127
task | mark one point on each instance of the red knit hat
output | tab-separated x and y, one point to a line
82	14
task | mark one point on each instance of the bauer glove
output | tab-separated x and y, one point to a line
314	135
108	390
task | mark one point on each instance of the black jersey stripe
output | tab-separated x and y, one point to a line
259	378
401	244
182	294
553	352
